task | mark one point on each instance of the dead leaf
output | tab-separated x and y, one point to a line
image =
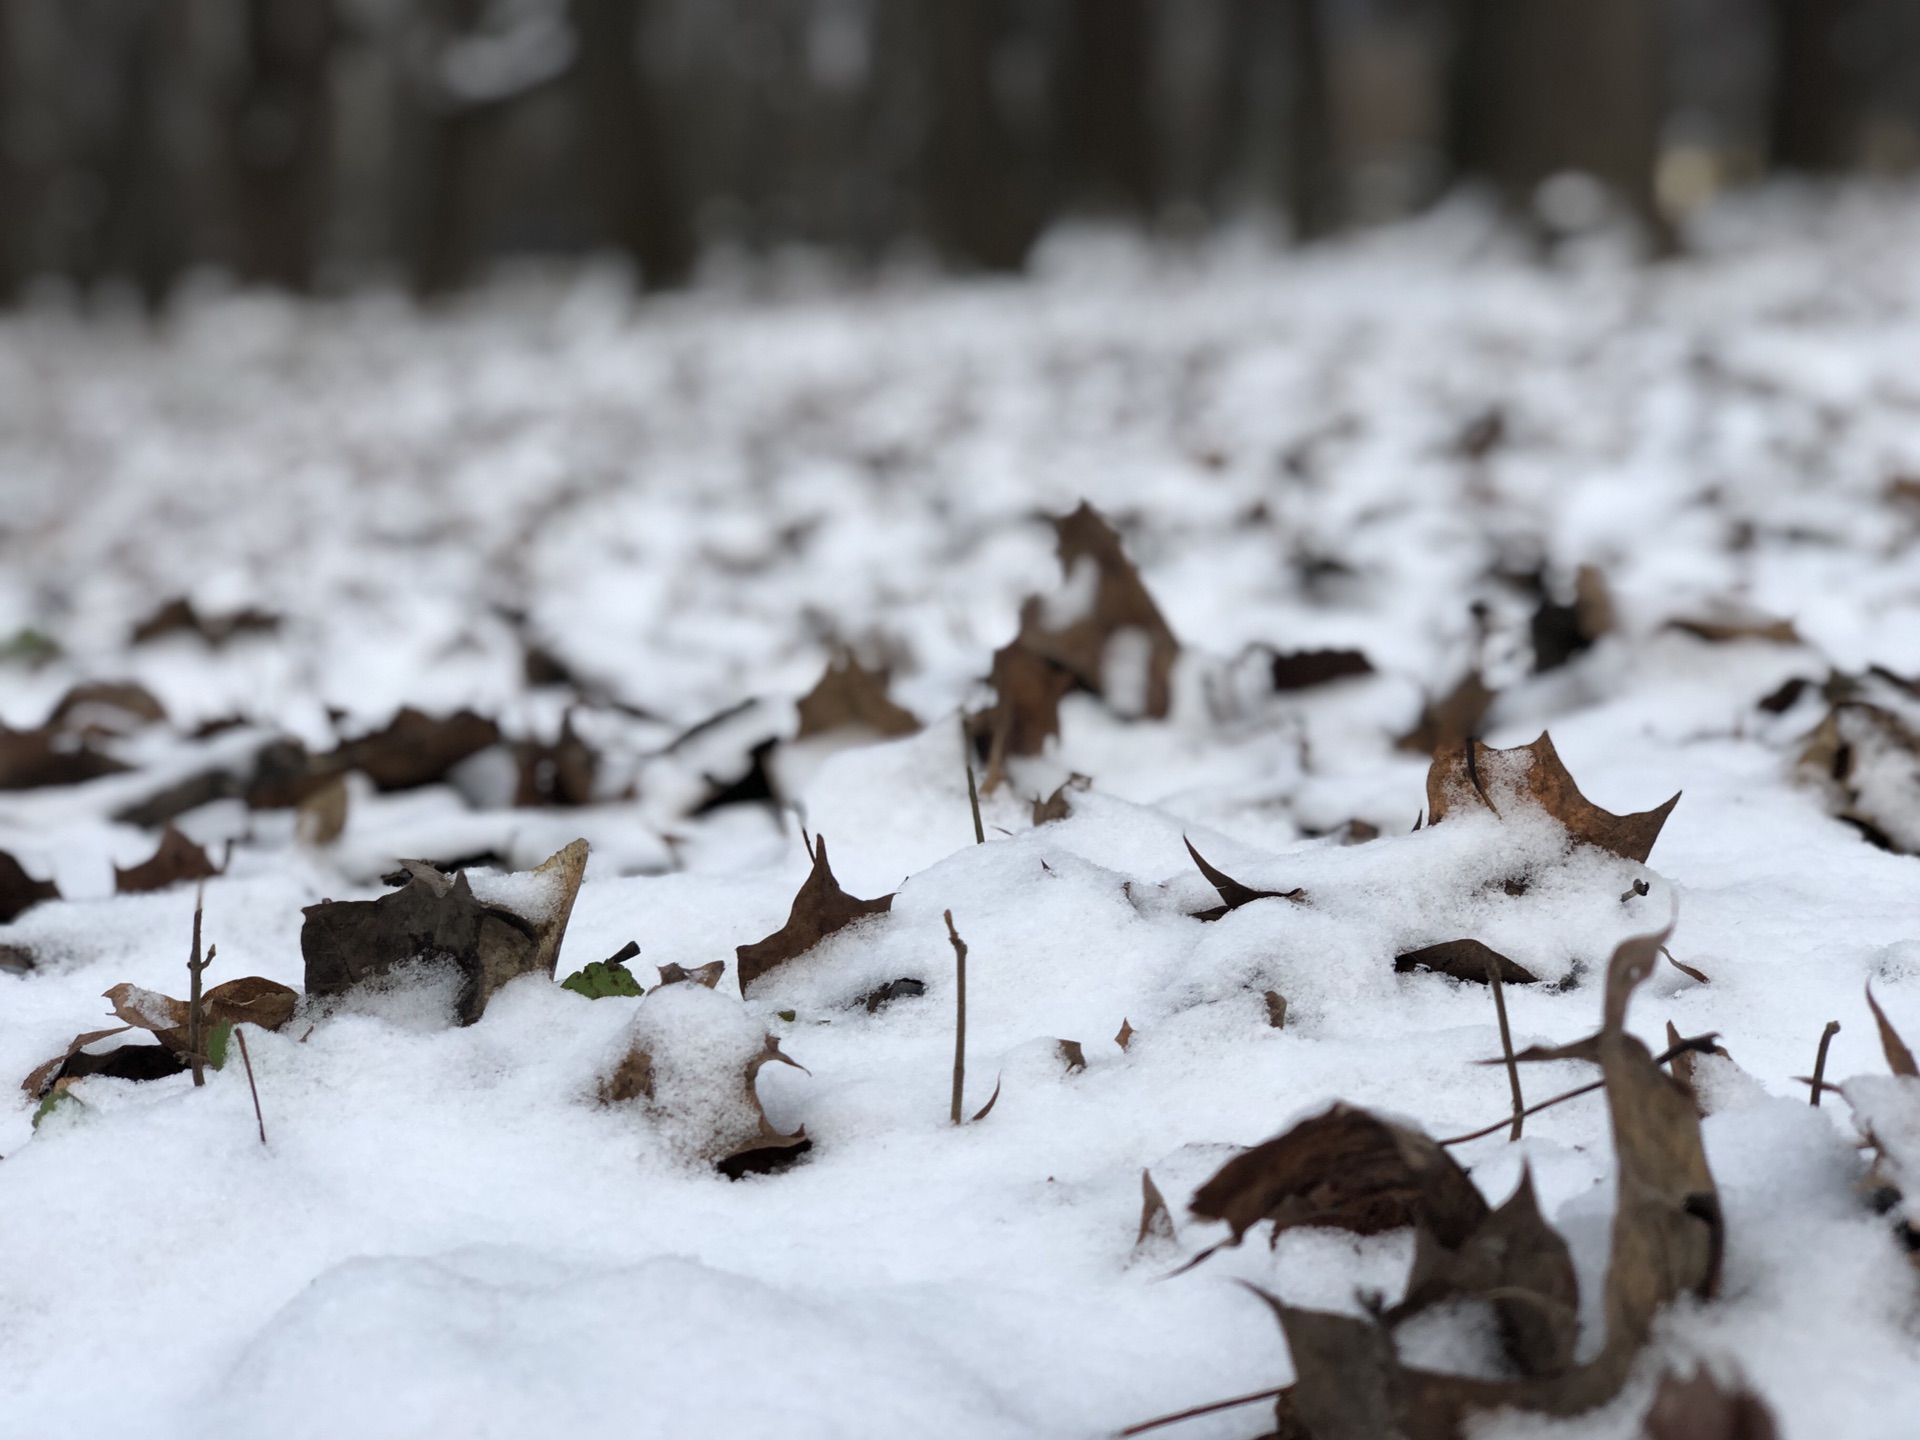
251	1000
42	1077
1533	777
1464	960
1867	758
1699	1409
1451	721
1682	1066
1482	435
1560	632
1025	714
1899	1058
437	919
1304	669
1276	1010
1125	1037
558	774
106	707
1156	1221
19	891
178	617
1080	641
1520	1263
178	859
40	759
881	996
820	909
1071	1055
1232	893
1732	626
1057	806
322	815
706	976
848	696
1783	699
754	786
1347	1169
415	749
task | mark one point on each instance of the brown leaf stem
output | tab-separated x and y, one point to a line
240	1034
195	1022
1197	1411
1702	1044
1506	1046
1820	1061
960	1019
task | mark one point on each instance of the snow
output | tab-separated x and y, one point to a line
691	503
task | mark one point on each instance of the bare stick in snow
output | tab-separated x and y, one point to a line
240	1034
960	1019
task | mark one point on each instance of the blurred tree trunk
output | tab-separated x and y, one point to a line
1312	178
1108	127
636	190
1543	86
281	139
979	208
1811	117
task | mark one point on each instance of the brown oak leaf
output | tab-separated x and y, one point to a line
819	909
1533	777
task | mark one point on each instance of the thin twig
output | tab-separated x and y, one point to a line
960	1019
240	1034
1506	1045
1703	1044
194	966
973	791
1197	1411
1820	1061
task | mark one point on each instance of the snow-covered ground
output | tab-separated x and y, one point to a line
693	503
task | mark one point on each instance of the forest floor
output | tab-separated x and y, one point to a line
552	506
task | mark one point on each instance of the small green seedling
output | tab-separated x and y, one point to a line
605	978
59	1100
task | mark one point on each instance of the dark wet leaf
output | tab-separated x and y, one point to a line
754	786
1450	721
1346	1169
1464	960
1533	777
905	988
1232	893
820	909
1698	1408
178	617
39	759
1303	669
1778	702
1560	632
558	774
436	919
848	696
19	891
177	860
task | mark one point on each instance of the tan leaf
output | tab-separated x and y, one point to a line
177	860
1451	720
707	976
1071	1055
1533	777
820	909
848	696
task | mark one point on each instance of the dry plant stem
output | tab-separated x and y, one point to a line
194	966
240	1034
1700	1044
1506	1049
973	798
1197	1411
1820	1061
960	1019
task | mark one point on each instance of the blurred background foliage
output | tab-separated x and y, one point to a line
321	144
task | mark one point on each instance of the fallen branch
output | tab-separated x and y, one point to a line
1197	1411
1819	1079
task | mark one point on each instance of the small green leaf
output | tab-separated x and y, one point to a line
602	979
789	1015
58	1100
217	1041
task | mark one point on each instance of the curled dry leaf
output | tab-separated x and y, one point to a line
1347	1169
820	909
1666	1242
1700	1408
848	696
19	891
1232	893
1304	669
177	859
706	976
42	1077
1058	806
1532	777
251	1000
1866	757
1465	960
1452	720
437	919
